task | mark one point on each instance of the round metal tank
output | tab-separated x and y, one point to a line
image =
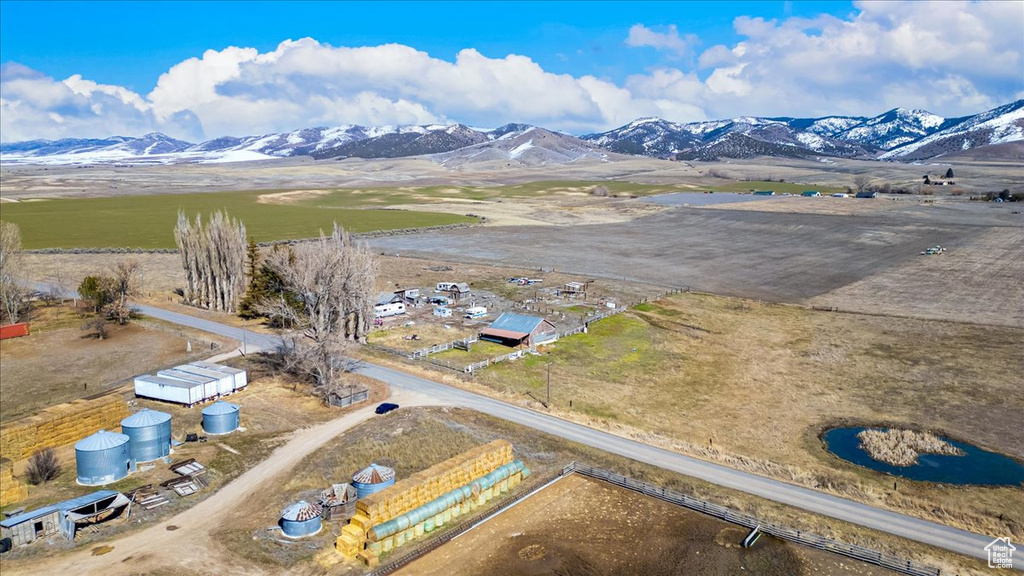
301	519
220	418
372	479
149	435
103	458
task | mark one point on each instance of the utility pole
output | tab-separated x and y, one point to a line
548	405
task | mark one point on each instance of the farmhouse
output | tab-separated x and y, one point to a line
64	517
513	329
810	193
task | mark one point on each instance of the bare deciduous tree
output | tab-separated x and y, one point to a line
11	259
213	257
97	326
332	279
861	181
124	284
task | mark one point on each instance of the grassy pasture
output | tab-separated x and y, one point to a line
753	385
148	221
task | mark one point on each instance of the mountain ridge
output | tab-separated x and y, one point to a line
899	134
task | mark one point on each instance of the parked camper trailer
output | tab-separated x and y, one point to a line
476	312
392	309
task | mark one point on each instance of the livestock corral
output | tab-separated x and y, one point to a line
582	526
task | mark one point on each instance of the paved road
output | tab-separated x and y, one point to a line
939	535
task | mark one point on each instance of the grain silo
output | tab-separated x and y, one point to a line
103	458
372	479
301	519
220	418
149	434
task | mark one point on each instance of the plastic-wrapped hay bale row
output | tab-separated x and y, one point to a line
428	484
419	489
433	515
60	425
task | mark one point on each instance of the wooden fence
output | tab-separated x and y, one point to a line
436	348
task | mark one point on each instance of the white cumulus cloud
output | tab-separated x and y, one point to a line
950	58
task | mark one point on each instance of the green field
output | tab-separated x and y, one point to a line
148	221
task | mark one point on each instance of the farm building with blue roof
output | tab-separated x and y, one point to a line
513	329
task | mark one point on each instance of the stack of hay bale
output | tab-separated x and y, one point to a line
61	425
418	490
11	490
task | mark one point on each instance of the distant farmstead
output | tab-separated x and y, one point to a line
513	329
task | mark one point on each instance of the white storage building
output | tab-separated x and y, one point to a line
169	389
225	382
210	389
241	379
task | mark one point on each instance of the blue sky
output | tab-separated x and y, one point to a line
206	69
132	43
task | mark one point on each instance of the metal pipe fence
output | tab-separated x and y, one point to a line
799	536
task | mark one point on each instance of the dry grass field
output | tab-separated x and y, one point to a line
411	439
753	384
59	362
585	527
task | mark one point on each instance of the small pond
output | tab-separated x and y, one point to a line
975	466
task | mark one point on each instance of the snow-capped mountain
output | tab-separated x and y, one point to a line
997	126
523	145
397	141
899	134
698	140
895	128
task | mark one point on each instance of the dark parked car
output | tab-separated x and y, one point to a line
386	407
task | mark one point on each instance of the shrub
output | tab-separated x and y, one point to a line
43	466
600	190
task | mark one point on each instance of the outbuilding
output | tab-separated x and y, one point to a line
810	193
513	329
372	479
241	378
210	388
220	418
149	435
184	392
103	458
301	519
225	381
764	193
64	517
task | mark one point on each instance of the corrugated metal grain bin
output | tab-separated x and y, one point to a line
169	389
225	382
372	479
209	384
301	519
220	418
149	435
103	458
241	378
